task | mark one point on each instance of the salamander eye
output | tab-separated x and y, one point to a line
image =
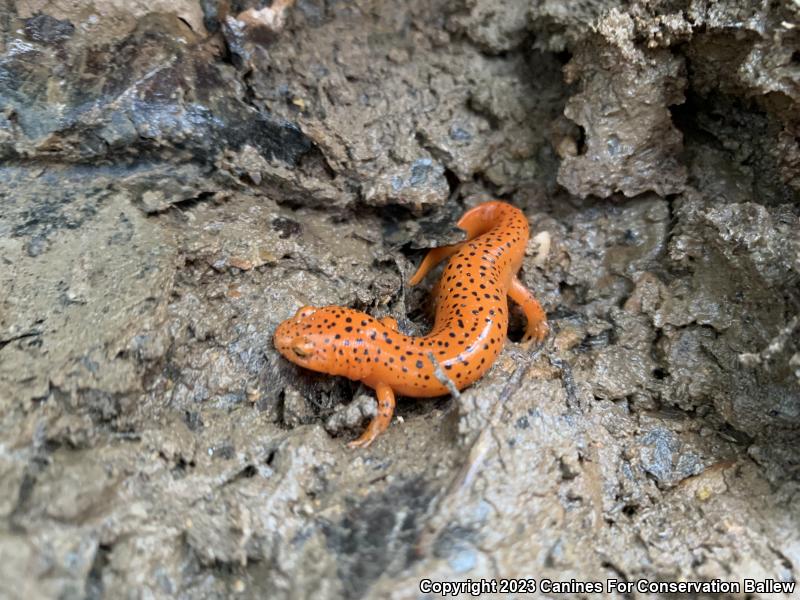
304	311
302	347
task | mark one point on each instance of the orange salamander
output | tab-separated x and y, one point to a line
469	329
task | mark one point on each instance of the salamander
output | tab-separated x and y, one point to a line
469	329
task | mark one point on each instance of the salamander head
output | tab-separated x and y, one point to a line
315	338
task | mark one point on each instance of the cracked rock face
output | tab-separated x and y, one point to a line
153	91
630	144
178	177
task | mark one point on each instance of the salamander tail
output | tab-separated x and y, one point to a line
480	219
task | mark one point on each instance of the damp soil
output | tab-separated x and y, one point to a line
176	178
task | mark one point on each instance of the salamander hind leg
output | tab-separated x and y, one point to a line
389	323
475	222
536	328
433	258
380	423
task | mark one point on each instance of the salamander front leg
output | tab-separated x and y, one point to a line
381	421
537	327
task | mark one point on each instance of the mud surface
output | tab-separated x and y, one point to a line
176	181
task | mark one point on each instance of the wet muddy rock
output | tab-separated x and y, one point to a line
177	178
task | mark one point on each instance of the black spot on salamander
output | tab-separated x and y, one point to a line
349	328
419	364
